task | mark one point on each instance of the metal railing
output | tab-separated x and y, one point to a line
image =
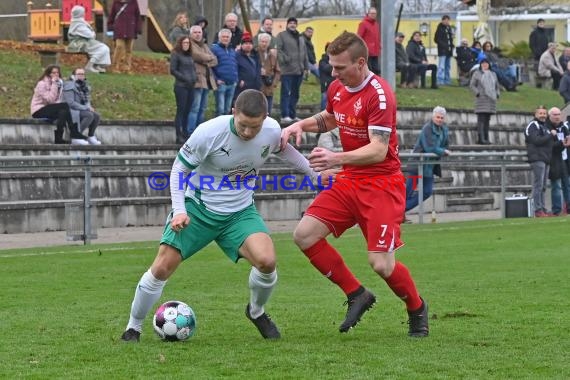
87	162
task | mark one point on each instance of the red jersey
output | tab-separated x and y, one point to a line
372	105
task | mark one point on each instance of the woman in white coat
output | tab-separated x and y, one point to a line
82	39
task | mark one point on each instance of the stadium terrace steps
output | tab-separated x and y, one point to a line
49	215
33	194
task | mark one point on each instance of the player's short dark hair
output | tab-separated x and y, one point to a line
351	42
251	103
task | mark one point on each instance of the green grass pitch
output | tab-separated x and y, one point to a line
498	293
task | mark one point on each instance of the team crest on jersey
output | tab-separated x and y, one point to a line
264	151
357	106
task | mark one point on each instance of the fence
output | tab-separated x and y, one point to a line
88	163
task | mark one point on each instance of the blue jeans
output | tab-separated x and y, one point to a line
199	104
324	100
444	70
556	194
183	96
269	104
224	96
412	195
290	86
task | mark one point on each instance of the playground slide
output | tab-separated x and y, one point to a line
156	40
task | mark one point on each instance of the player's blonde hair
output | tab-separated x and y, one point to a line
351	42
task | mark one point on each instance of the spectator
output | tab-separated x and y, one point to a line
184	72
558	173
433	138
266	27
77	93
417	55
226	72
311	56
549	67
202	22
47	103
564	88
477	50
485	86
204	60
466	59
249	67
180	28
82	39
270	71
231	23
369	30
538	40
126	24
539	141
403	65
292	57
326	77
505	70
564	58
444	41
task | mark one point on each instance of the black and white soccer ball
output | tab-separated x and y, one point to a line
174	321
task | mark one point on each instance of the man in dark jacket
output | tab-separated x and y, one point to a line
249	66
538	40
466	59
539	141
417	55
564	88
325	76
559	164
311	56
444	41
407	70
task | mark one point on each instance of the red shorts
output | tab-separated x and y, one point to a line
377	204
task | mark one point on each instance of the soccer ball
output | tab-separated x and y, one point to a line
174	321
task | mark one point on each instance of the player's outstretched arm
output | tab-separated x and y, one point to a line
297	160
373	152
319	123
178	173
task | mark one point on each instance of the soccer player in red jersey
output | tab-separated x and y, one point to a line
369	191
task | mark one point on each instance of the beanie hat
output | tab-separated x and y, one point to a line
246	37
77	12
292	19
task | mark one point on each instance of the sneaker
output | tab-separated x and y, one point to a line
131	335
93	140
286	119
79	142
264	324
418	321
296	119
357	306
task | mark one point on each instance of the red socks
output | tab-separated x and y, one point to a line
329	262
402	284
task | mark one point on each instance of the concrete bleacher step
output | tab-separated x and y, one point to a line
49	215
467	204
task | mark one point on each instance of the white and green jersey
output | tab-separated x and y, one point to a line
223	165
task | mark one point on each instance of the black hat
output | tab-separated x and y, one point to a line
292	19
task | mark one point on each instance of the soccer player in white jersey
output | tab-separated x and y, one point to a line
217	205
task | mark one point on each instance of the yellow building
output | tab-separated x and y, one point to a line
506	28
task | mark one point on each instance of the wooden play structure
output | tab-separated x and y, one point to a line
48	24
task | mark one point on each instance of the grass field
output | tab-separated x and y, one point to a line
498	294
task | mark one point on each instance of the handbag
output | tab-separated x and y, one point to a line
267	80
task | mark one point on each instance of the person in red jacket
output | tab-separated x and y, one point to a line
369	30
126	24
